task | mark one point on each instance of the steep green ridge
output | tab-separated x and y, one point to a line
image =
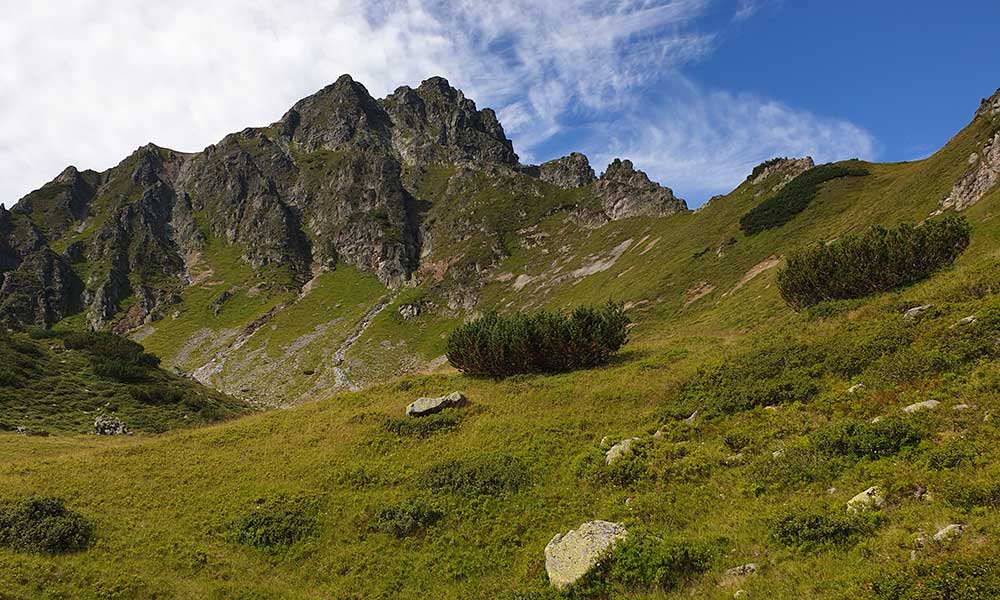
346	497
46	389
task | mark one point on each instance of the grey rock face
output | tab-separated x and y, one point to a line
989	107
108	425
788	168
980	179
568	172
42	290
570	556
625	192
919	406
428	406
870	499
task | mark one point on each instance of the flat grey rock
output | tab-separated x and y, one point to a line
428	406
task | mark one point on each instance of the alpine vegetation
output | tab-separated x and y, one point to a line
875	261
543	342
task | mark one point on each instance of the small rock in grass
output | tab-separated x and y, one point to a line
871	498
428	406
919	406
961	407
857	387
916	311
771	408
969	320
736	574
108	425
692	418
570	556
740	594
948	533
618	450
778	453
734	459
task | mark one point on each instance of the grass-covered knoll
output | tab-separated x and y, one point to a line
877	260
337	499
541	342
794	197
61	382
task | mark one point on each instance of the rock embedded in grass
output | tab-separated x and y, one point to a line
570	556
869	499
919	406
949	532
108	425
916	311
428	406
619	450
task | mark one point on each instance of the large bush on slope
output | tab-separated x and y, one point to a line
877	260
542	342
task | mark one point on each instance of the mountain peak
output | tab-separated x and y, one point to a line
989	107
627	192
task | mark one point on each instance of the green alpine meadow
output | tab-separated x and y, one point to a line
369	351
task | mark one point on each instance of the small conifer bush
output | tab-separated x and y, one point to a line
875	261
543	342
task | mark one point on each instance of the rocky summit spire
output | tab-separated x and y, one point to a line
626	192
568	172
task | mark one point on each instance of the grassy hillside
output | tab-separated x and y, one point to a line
348	498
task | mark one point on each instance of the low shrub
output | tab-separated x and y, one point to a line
793	198
422	427
400	520
855	439
776	373
157	395
875	261
112	356
809	529
44	525
487	475
542	342
951	454
794	466
955	578
277	522
649	563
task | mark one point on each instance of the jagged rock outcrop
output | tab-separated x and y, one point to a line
989	107
982	177
568	172
625	192
437	123
787	168
42	290
61	202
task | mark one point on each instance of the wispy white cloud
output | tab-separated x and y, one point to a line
84	82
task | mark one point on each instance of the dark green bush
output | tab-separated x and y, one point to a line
422	427
543	342
776	373
875	261
793	198
795	466
866	440
956	578
157	395
44	525
808	529
487	475
951	454
649	563
736	440
277	522
112	356
403	519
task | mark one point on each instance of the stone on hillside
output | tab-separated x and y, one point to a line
570	556
961	407
857	387
916	311
428	406
969	320
919	406
983	176
108	425
948	533
619	450
737	574
692	418
871	498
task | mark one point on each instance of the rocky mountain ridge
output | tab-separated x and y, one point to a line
333	181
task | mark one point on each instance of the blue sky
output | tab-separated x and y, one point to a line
695	92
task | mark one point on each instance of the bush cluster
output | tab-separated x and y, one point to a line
793	198
44	525
647	562
956	578
855	439
112	356
487	475
277	522
421	428
403	519
809	528
542	342
875	261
